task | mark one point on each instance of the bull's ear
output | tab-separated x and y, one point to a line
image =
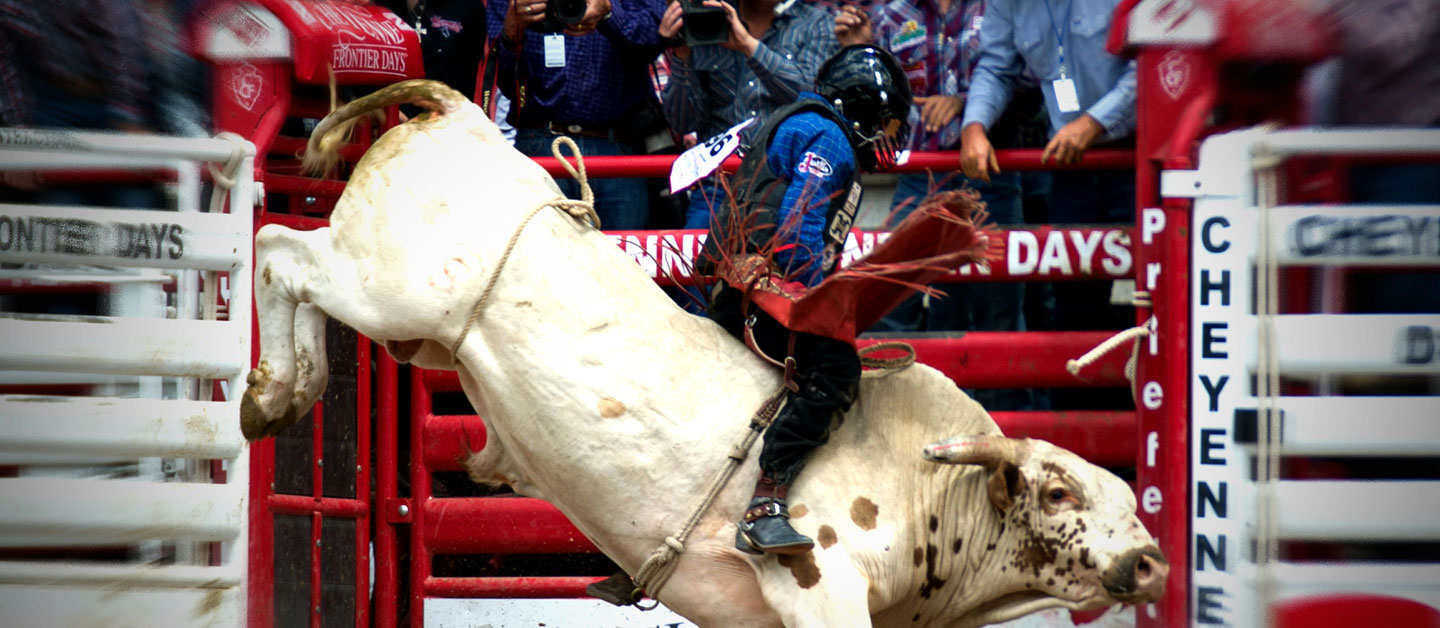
1006	483
987	451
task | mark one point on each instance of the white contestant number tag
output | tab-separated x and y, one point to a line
1065	96
705	157
554	51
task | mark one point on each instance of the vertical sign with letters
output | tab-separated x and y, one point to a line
1221	307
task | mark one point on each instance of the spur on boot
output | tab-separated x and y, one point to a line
766	528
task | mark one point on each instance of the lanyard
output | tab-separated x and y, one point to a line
1059	39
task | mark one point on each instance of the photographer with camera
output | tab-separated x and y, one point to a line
581	68
754	61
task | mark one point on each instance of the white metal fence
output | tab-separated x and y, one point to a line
1242	350
121	470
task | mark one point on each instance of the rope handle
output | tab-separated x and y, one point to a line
661	563
880	367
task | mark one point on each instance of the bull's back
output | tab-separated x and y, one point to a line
874	456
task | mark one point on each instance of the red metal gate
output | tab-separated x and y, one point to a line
311	506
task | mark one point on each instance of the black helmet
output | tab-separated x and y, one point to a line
868	87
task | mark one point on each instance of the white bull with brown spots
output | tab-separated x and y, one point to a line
604	398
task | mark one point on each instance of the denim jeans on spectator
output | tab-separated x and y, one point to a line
966	306
704	197
1393	291
620	203
1091	197
56	108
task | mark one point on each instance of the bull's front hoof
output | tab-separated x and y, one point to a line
253	422
254	425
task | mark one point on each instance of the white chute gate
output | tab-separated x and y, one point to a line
1249	362
124	461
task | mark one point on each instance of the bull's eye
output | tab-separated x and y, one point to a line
1058	494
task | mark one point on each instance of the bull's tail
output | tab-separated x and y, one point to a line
323	151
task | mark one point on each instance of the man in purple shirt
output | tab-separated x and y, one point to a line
590	82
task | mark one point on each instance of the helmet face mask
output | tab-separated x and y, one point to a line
868	87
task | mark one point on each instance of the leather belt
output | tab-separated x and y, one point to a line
560	128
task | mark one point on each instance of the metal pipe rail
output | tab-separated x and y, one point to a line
1035	253
1017	159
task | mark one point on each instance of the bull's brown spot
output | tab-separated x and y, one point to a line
934	523
803	567
932	583
826	537
919	556
1038	552
800	510
610	408
955	548
265	276
864	513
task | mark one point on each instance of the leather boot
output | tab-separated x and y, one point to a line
766	524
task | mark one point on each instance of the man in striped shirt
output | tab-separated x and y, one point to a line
774	51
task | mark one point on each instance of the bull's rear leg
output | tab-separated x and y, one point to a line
284	264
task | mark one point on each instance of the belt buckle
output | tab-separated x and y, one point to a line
562	129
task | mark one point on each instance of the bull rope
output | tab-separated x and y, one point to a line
583	208
658	567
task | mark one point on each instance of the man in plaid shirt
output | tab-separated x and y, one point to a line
938	44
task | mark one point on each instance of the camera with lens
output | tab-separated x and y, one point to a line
704	25
560	15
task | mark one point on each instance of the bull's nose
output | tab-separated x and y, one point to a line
1150	575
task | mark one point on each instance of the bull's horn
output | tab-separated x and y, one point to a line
988	451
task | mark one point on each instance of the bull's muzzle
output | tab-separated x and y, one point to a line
1138	576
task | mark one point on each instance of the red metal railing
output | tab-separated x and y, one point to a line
265	502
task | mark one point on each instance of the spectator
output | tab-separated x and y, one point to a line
452	38
1089	95
590	82
176	81
1388	78
802	188
774	51
937	42
76	65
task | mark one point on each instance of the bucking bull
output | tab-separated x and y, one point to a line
604	398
